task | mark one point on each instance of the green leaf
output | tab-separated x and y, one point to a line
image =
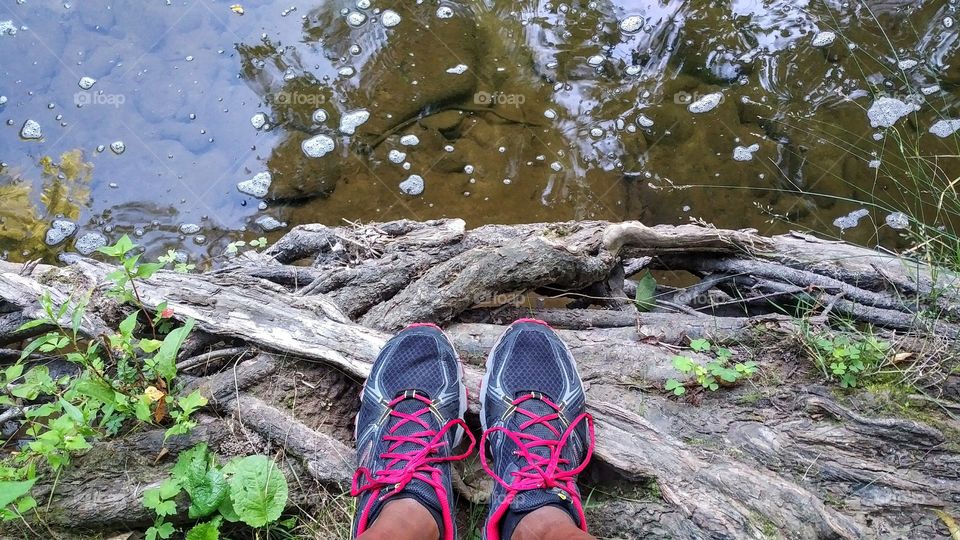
149	345
206	494
146	270
227	511
258	490
128	324
165	530
645	297
95	389
166	357
25	504
700	345
673	385
31	324
72	411
683	364
206	531
190	403
13	372
36	381
11	491
119	249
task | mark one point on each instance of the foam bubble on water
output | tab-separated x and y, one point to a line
90	242
363	4
947	22
269	223
458	69
927	90
745	153
644	122
346	72
633	70
317	146
468	169
118	147
59	230
409	140
258	186
444	12
886	111
595	60
7	28
319	116
705	103
550	114
556	166
631	24
596	132
406	166
86	83
906	64
413	185
874	164
189	228
389	18
353	119
945	128
897	220
355	18
258	121
850	220
31	130
823	39
396	156
3	100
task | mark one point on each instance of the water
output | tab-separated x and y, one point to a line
664	111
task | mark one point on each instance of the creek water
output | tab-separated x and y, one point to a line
190	124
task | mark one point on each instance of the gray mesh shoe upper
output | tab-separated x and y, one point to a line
410	420
532	411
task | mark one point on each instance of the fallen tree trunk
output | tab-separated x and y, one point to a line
777	456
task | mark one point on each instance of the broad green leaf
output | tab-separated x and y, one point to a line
96	389
147	270
700	345
13	372
120	248
11	491
190	403
673	385
128	324
36	381
72	411
206	494
166	357
149	345
209	530
195	458
645	297
227	511
258	490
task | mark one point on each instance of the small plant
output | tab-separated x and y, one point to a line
846	359
116	378
714	373
250	490
179	265
233	248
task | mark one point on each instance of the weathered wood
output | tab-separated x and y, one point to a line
757	460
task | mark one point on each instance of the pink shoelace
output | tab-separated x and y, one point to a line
403	467
541	472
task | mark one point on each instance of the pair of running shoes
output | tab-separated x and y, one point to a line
532	413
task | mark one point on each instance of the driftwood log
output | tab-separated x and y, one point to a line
288	335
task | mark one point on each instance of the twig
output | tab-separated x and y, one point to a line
212	355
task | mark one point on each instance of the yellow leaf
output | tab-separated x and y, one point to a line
237	8
153	394
900	357
950	523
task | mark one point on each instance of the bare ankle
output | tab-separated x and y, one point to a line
548	522
403	519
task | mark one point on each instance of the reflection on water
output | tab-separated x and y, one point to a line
665	111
